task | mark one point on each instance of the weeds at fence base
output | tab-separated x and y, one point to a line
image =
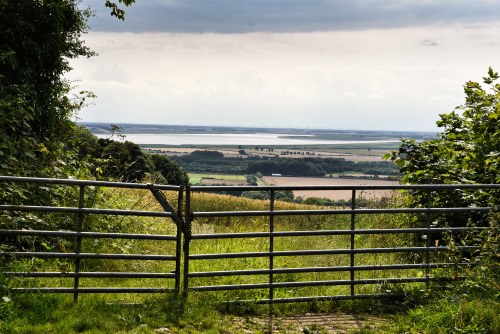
451	310
28	312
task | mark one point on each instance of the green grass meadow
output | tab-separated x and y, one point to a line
468	307
195	178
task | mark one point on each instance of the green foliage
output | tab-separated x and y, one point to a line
468	148
198	154
38	38
323	201
318	201
124	161
170	170
214	162
84	143
37	136
118	12
281	195
252	180
469	307
467	151
296	167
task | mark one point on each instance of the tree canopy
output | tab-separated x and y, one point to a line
467	151
468	148
37	134
118	12
37	39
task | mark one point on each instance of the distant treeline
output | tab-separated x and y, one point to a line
215	162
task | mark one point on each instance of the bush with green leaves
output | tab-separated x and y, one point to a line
37	135
37	40
169	170
467	151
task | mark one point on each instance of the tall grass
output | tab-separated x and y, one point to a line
143	200
212	202
205	311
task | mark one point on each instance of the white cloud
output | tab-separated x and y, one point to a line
110	73
319	79
375	96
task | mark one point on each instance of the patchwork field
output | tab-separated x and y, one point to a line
351	154
223	181
332	194
239	180
233	180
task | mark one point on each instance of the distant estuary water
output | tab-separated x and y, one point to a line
234	139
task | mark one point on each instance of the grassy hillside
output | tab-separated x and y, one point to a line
471	307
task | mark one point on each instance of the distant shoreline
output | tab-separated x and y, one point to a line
265	139
104	128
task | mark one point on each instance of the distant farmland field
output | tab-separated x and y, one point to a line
332	194
217	178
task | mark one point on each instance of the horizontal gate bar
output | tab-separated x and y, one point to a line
71	182
90	256
91	274
337	212
96	290
347	187
96	235
326	252
248	188
322	283
324	269
33	208
333	232
171	213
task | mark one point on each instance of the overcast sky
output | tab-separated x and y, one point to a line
334	64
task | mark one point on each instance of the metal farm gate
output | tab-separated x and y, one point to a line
79	213
269	268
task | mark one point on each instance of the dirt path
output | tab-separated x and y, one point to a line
309	323
337	323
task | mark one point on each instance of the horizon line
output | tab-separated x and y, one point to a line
252	127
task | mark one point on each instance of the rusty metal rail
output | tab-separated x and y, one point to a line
184	215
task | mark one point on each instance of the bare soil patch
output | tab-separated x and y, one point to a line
332	194
338	323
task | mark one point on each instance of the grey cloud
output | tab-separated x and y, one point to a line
428	43
241	16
